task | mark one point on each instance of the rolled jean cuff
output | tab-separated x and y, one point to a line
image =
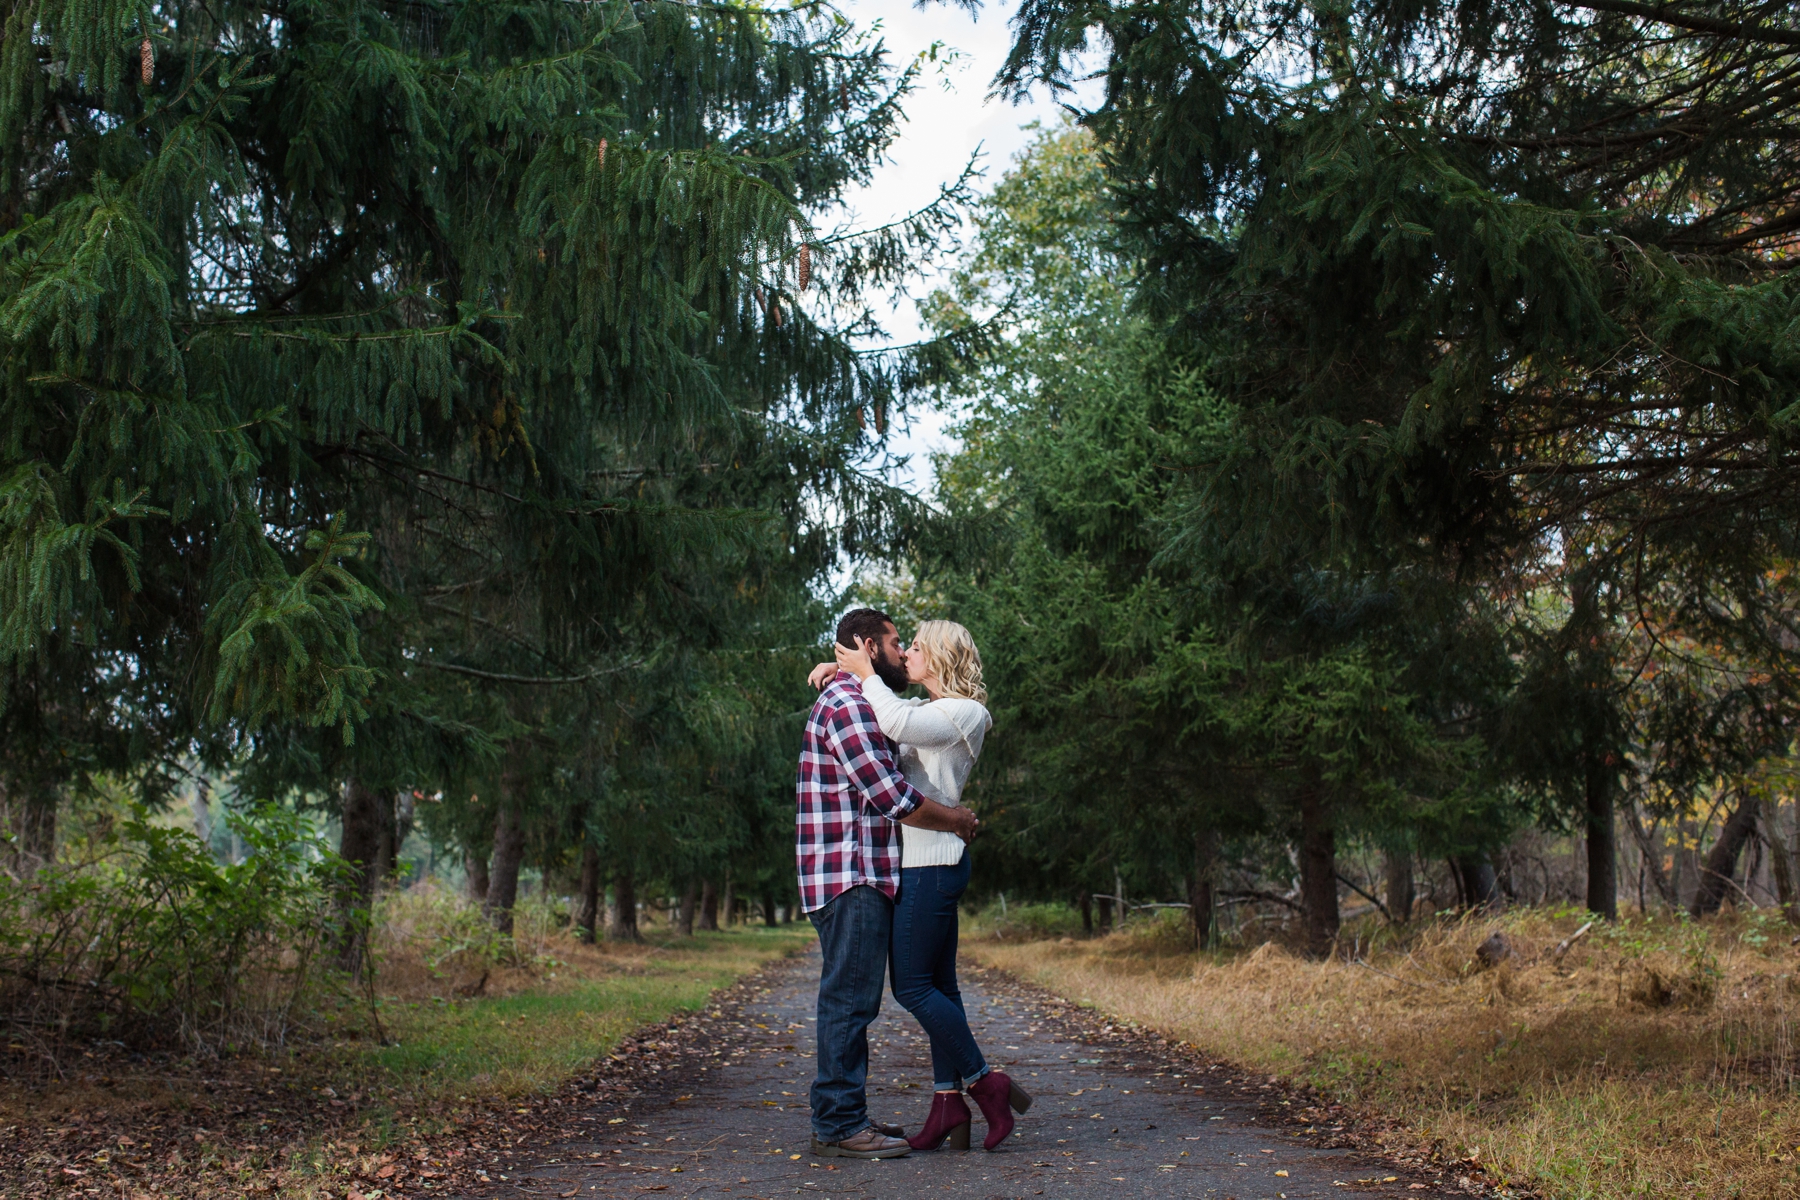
953	1086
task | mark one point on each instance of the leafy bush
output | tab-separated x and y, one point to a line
428	935
143	937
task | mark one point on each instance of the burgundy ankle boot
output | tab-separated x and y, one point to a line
998	1095
949	1119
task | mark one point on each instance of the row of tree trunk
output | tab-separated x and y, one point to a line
376	821
1477	881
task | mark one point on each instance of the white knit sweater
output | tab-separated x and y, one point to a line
939	743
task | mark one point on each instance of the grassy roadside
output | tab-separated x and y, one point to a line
529	1034
1655	1058
478	1042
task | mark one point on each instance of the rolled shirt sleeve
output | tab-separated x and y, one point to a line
866	755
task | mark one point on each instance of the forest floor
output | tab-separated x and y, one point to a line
345	1110
1653	1057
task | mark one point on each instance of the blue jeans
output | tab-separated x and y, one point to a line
854	929
923	965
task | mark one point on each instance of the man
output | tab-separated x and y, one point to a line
851	799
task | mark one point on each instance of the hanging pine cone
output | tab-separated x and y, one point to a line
805	264
775	311
881	417
600	153
859	416
146	59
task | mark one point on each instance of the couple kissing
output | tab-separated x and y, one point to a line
882	848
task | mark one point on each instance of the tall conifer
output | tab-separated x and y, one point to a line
351	350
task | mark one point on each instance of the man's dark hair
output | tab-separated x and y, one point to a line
862	623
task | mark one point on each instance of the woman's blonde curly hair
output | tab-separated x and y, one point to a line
950	654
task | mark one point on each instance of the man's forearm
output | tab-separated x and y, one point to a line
932	815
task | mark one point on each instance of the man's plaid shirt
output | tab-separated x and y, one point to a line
851	797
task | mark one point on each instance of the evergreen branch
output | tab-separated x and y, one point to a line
497	627
396	335
1351	884
947	192
1255	894
591	508
1656	465
1666	15
532	680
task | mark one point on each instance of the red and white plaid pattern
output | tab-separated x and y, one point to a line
850	799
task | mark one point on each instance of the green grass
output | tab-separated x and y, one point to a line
535	1038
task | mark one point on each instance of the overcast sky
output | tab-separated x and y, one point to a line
949	117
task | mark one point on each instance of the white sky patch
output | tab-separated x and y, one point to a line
948	118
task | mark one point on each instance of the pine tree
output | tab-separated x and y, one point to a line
374	374
1497	291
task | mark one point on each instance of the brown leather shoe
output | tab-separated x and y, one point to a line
870	1143
888	1128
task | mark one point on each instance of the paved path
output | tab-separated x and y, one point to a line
1102	1125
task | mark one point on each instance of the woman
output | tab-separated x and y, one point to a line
939	739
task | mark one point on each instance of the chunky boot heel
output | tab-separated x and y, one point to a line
949	1119
993	1092
1018	1097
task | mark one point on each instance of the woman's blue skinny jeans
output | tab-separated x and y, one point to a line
922	968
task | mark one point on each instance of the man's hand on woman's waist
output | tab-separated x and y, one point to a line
932	815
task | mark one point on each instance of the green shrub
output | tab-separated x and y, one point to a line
449	934
1026	922
145	938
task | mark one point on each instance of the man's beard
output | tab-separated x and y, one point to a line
893	674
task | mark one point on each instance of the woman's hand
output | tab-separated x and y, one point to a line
856	661
821	675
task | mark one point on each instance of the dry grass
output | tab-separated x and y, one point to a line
1657	1058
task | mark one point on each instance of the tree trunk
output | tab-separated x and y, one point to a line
1200	887
1401	894
29	802
359	845
768	907
1318	871
684	920
1087	914
1103	919
729	904
1650	862
709	908
476	867
1481	883
587	901
624	924
1721	863
399	813
387	845
1781	864
1602	850
509	855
